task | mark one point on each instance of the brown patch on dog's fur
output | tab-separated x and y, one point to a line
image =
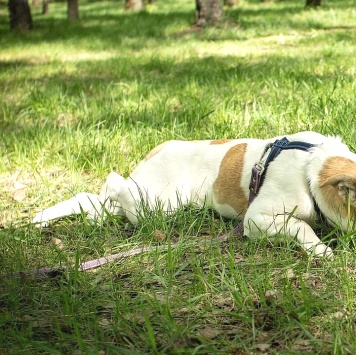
227	187
221	141
337	175
336	166
156	150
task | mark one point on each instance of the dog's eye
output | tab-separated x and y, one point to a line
352	194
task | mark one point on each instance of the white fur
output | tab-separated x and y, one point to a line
184	172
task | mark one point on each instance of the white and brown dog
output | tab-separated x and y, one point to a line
299	186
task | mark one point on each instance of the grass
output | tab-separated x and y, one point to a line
81	99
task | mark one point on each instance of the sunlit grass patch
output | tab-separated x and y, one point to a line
78	100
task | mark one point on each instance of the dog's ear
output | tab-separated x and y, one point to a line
346	185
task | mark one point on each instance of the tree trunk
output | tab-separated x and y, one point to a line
20	16
313	3
207	12
45	7
231	3
73	12
134	5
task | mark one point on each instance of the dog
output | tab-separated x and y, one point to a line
299	187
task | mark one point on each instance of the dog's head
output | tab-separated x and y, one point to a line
337	183
345	185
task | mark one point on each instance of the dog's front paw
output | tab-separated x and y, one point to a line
40	220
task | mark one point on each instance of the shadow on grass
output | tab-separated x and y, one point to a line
104	87
163	73
109	26
102	82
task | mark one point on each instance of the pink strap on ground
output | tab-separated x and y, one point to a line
92	264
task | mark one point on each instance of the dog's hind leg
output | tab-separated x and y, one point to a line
118	196
81	202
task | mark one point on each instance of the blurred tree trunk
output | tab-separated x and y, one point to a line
313	3
207	12
231	3
20	16
135	5
45	7
73	11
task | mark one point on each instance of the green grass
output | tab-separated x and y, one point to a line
78	100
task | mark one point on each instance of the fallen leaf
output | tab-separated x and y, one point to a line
306	276
104	322
262	337
64	119
58	242
290	274
340	314
303	342
19	195
224	302
209	332
239	259
159	235
302	345
19	186
262	346
269	294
